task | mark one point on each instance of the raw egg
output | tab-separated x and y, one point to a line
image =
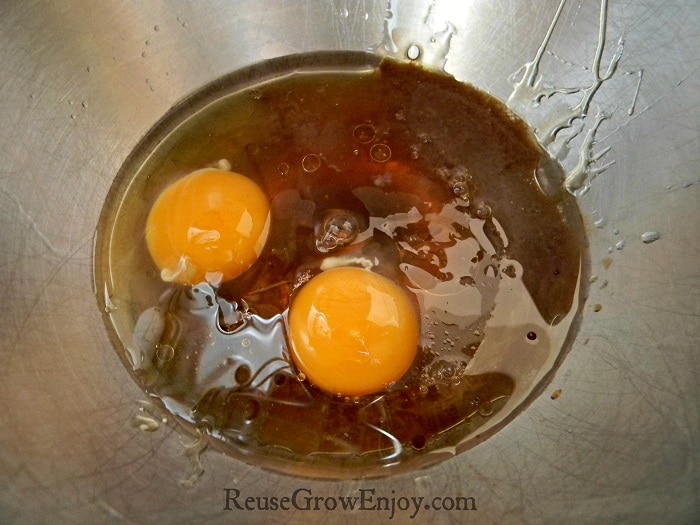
208	226
353	332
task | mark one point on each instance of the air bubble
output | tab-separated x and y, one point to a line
311	163
245	343
364	133
156	28
485	409
165	352
337	228
380	152
413	52
649	237
283	169
620	245
144	55
301	376
419	442
242	374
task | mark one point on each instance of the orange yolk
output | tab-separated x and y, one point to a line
353	332
209	226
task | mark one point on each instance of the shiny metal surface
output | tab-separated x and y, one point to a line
80	84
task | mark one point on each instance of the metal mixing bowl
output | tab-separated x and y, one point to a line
613	439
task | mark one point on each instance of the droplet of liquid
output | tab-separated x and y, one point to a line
311	163
156	28
380	152
620	245
337	228
364	133
413	52
649	237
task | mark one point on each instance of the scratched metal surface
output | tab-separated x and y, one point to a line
79	85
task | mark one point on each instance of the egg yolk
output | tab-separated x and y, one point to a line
353	332
209	226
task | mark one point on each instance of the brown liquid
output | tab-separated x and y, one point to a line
441	181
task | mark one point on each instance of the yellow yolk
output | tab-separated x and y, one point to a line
209	226
353	332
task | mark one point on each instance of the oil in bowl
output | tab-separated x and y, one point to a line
340	266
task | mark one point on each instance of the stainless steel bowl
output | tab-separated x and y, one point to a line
615	436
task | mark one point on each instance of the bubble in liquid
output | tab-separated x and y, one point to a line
283	169
337	228
485	409
649	237
165	352
364	133
380	152
311	163
413	52
242	374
